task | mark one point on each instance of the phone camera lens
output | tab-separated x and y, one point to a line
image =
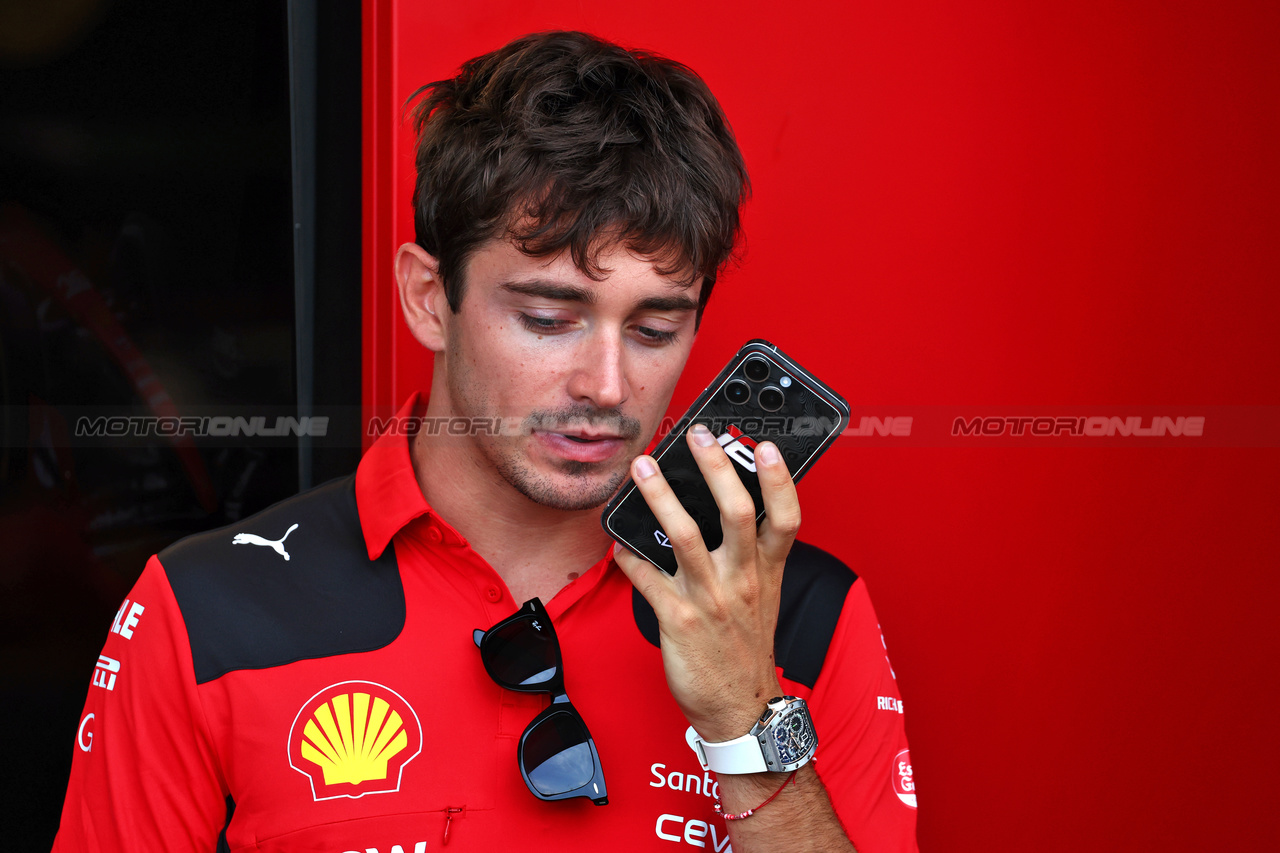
756	369
771	399
737	392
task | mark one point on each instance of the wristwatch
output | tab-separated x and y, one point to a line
782	740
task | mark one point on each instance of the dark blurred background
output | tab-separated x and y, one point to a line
152	159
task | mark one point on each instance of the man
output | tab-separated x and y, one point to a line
321	689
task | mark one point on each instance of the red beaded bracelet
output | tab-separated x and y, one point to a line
749	812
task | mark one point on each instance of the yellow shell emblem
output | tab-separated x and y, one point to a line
352	737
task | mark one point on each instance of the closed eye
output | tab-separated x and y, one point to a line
657	336
543	324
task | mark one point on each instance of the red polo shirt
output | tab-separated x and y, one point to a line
306	680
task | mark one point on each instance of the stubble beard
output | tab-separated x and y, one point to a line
506	456
589	492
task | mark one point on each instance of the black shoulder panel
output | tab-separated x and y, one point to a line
291	583
814	587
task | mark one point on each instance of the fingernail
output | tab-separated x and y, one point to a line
645	468
702	436
769	453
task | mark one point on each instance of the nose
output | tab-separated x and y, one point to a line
599	372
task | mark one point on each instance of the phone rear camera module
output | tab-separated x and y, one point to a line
771	399
756	369
737	392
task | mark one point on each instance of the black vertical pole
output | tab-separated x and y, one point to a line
302	116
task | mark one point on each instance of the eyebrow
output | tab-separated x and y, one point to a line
573	293
668	303
551	290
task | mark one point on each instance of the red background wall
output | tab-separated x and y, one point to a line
993	207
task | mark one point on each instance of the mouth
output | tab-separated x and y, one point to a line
581	446
587	438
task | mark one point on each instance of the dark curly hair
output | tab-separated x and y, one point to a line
561	140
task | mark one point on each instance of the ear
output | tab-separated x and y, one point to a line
422	297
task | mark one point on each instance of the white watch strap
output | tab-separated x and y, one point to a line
740	755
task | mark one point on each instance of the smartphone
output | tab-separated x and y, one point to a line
760	395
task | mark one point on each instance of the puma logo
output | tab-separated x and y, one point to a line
253	539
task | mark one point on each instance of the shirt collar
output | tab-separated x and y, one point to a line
387	492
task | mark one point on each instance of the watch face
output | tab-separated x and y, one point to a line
793	736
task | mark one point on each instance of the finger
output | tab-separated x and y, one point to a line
737	510
781	505
682	531
653	584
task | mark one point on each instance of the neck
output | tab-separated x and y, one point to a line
535	549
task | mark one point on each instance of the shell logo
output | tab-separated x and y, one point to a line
354	738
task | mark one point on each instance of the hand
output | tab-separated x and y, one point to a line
717	616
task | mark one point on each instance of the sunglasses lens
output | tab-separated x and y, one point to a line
557	756
522	653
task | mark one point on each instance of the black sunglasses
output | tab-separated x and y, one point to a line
557	756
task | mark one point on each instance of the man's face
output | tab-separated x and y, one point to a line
586	367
